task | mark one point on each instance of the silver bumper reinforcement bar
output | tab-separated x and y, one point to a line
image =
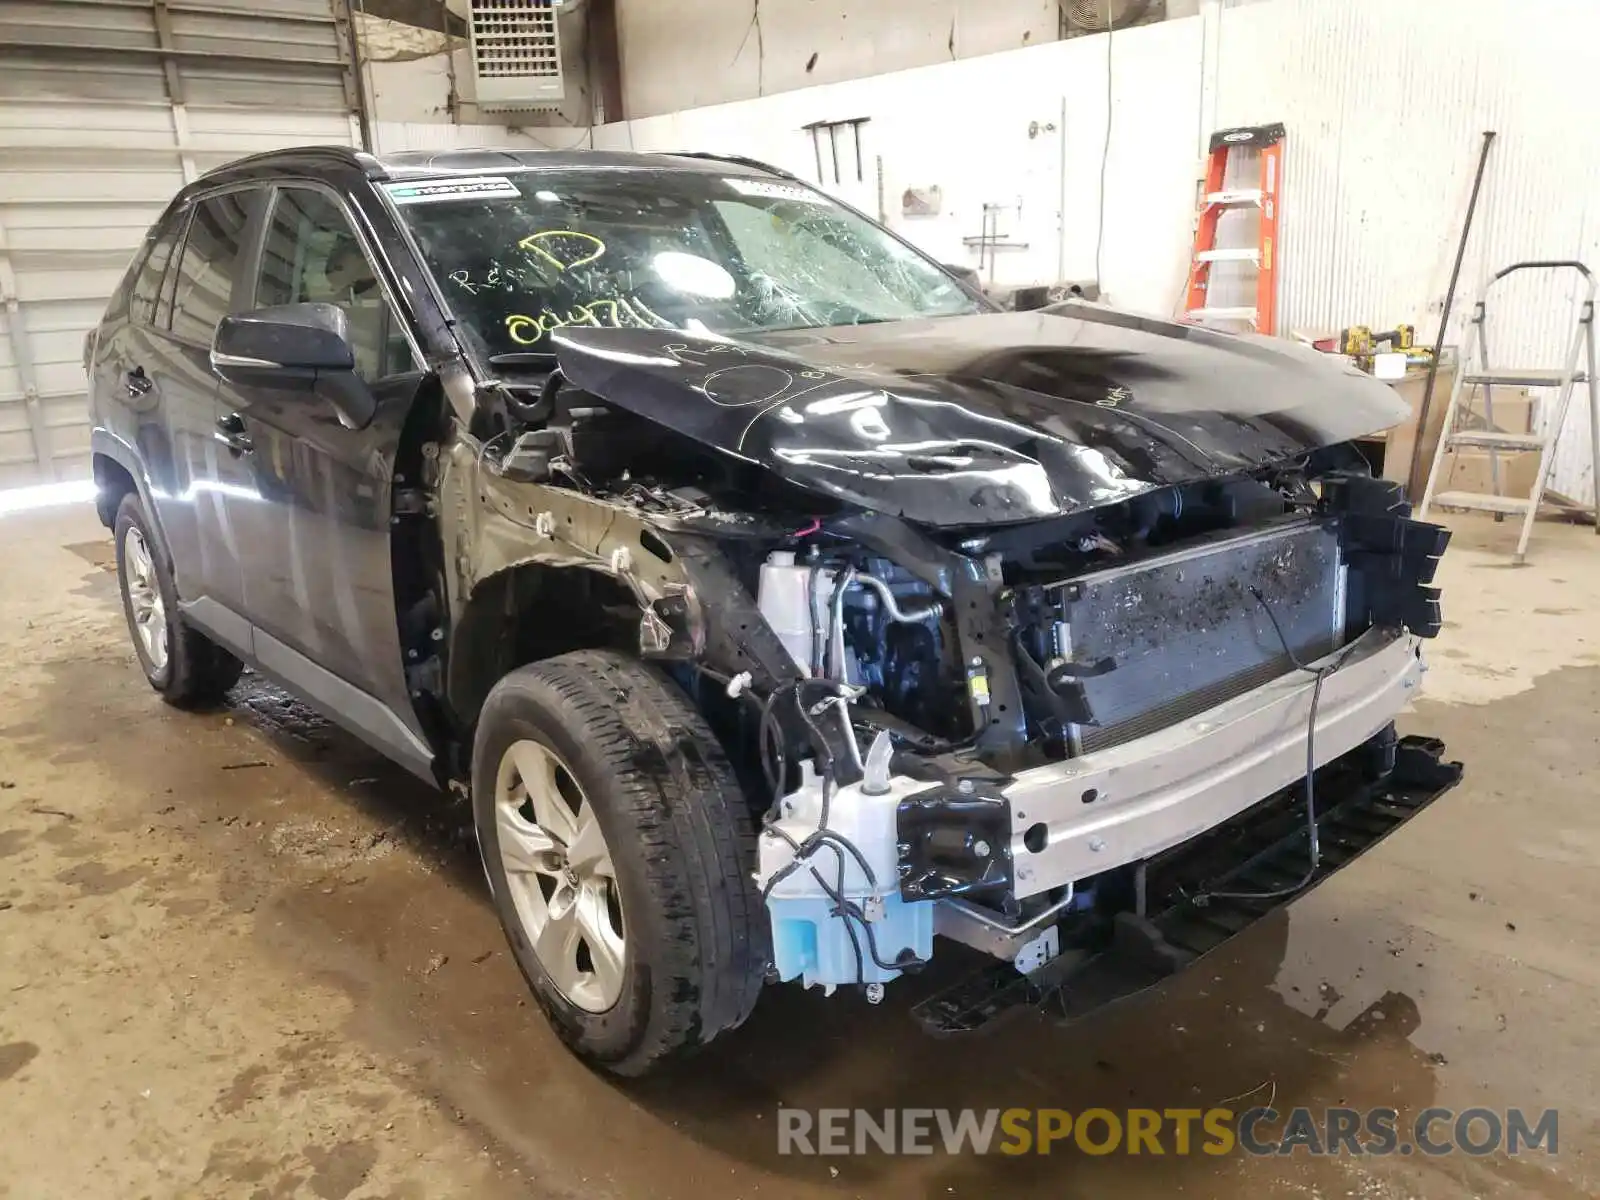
1128	802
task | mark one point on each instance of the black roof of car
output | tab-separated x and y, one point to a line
419	164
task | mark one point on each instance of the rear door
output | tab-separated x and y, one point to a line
130	366
211	483
319	583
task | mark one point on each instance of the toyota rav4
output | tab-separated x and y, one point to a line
776	600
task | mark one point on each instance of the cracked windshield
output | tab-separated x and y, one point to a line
521	255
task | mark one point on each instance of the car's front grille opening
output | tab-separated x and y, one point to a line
1185	631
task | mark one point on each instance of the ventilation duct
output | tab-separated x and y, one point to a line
516	53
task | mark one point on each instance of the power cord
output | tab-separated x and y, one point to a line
761	47
1321	674
1105	155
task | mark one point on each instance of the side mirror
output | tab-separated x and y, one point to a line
967	275
1030	298
296	347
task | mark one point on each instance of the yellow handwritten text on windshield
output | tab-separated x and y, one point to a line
564	248
600	314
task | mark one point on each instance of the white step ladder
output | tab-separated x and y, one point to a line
1475	371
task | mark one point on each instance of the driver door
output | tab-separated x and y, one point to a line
318	581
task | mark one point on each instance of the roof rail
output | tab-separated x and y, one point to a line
345	155
742	160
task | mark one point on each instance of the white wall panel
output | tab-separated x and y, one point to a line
977	129
693	53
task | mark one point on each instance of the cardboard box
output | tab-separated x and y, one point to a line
1467	470
1403	437
1513	410
1513	413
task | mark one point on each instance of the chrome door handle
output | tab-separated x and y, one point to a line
231	433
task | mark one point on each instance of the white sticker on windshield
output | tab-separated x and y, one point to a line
464	187
778	191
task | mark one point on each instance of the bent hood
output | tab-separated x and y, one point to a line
988	418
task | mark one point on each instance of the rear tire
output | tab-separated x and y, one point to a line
181	663
619	742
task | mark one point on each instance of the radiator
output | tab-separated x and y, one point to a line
1183	632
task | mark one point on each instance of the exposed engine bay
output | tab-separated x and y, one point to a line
1104	624
982	710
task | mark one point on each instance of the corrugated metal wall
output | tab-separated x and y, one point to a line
1386	105
107	107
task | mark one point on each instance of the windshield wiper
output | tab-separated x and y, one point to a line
523	358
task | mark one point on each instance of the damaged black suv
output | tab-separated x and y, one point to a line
778	602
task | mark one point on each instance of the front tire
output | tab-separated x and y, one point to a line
180	662
619	850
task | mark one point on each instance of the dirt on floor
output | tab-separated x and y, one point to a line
243	956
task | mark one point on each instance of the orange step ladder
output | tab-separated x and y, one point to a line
1218	198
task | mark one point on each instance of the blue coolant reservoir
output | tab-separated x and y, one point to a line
810	939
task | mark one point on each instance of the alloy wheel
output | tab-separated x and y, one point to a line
148	609
558	869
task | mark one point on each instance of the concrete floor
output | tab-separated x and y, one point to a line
242	956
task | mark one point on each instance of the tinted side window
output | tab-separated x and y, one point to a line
163	317
147	284
211	256
311	255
